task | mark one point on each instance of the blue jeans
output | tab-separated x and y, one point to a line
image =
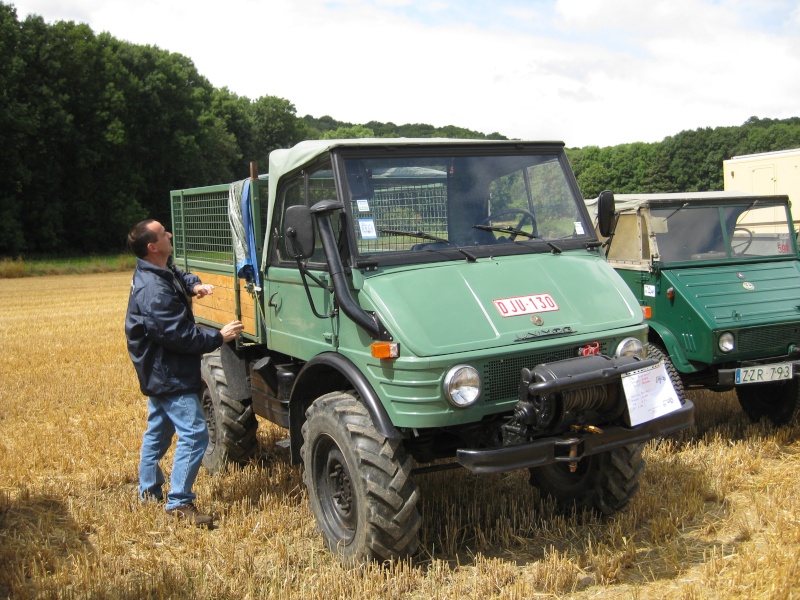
167	416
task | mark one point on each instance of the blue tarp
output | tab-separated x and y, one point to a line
247	267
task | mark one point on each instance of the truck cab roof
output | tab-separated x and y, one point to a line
696	228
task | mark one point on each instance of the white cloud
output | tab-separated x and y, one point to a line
585	71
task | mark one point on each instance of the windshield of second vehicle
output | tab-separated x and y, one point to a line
685	233
478	203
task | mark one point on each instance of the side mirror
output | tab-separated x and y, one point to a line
298	232
605	213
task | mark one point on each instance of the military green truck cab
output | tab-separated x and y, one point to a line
719	276
417	305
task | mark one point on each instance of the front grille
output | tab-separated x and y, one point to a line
501	376
777	337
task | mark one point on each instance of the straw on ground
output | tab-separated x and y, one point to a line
717	515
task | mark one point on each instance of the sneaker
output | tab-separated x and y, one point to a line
192	515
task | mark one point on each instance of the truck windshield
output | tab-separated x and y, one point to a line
484	204
695	233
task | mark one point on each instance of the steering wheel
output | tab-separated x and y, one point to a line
526	216
740	246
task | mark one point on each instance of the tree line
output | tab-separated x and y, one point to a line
690	161
95	131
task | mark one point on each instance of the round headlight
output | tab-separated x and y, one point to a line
631	347
462	385
726	342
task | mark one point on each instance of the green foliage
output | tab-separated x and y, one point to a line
690	161
15	123
275	125
354	132
96	131
329	128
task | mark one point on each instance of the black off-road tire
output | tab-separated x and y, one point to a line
232	424
777	401
603	483
658	352
359	483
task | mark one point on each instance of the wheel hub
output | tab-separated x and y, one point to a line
343	491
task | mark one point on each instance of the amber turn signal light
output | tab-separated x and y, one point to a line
647	311
385	349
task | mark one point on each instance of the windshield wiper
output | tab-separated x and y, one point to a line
682	206
748	209
514	231
427	236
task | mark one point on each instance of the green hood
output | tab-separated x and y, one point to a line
743	294
448	307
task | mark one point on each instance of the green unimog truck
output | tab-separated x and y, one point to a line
719	278
419	304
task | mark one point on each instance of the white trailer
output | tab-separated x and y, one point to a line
766	173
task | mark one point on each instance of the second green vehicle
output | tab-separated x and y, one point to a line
719	278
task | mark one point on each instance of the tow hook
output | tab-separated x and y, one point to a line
573	457
587	429
573	442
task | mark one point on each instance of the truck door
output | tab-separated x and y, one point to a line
293	327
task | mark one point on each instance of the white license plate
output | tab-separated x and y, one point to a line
525	305
762	373
649	393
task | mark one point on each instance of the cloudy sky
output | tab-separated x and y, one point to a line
599	72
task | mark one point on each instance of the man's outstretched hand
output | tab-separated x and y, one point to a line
231	331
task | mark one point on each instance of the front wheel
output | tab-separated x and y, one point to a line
659	353
777	401
603	483
359	482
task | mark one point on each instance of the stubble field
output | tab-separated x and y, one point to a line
717	515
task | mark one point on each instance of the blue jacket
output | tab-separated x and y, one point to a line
164	342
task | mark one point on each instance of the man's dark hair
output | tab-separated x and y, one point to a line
140	236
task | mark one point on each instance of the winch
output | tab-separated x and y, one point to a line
576	391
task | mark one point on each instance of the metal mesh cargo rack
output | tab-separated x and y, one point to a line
203	244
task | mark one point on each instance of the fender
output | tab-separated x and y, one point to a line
673	348
235	369
330	372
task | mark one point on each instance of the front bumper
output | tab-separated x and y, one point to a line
572	447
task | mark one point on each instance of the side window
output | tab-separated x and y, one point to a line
307	188
321	187
291	195
628	239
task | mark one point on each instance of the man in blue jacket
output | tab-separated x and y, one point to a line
166	347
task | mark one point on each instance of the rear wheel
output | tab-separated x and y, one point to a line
359	482
603	483
232	424
777	401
